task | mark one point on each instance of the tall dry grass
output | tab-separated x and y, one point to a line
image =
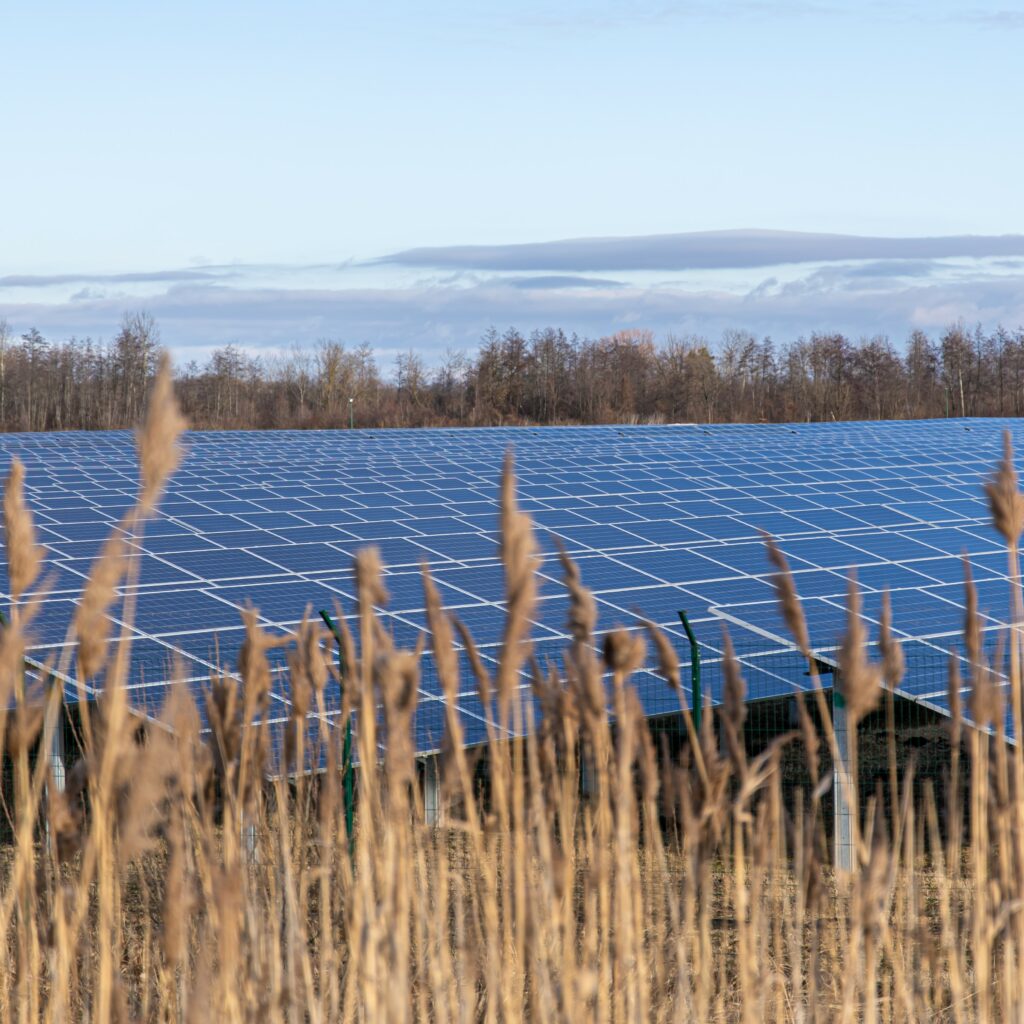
176	877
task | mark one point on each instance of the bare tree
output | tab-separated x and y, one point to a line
5	337
136	350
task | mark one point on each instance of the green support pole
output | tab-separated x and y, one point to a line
696	694
347	787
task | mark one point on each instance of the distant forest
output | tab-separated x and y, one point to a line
545	377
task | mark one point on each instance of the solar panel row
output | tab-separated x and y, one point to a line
658	517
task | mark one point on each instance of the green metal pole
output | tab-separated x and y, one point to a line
347	787
696	694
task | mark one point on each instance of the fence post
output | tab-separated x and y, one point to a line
696	694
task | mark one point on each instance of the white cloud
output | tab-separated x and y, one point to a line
703	250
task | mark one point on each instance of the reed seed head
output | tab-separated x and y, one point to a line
735	690
893	661
23	728
582	606
1004	498
369	580
624	651
24	556
668	661
985	702
859	680
92	625
158	438
785	591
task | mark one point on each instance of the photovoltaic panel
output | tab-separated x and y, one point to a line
657	518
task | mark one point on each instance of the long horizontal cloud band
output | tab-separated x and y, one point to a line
704	250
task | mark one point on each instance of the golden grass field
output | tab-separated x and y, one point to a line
174	880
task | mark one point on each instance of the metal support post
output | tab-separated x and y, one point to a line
586	771
696	694
431	790
58	752
842	841
249	842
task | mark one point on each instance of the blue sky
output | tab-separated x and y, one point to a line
246	170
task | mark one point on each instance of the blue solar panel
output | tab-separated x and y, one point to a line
658	518
221	564
825	553
50	625
461	547
679	566
281	602
949	570
182	611
159	545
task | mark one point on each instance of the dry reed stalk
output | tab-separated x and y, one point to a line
789	601
1007	507
732	723
583	673
668	667
521	563
734	703
954	810
12	671
91	623
456	781
308	671
893	668
860	681
796	622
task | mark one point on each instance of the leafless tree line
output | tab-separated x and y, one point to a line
547	376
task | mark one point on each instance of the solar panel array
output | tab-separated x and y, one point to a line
658	518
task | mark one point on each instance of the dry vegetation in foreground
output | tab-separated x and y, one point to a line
683	891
